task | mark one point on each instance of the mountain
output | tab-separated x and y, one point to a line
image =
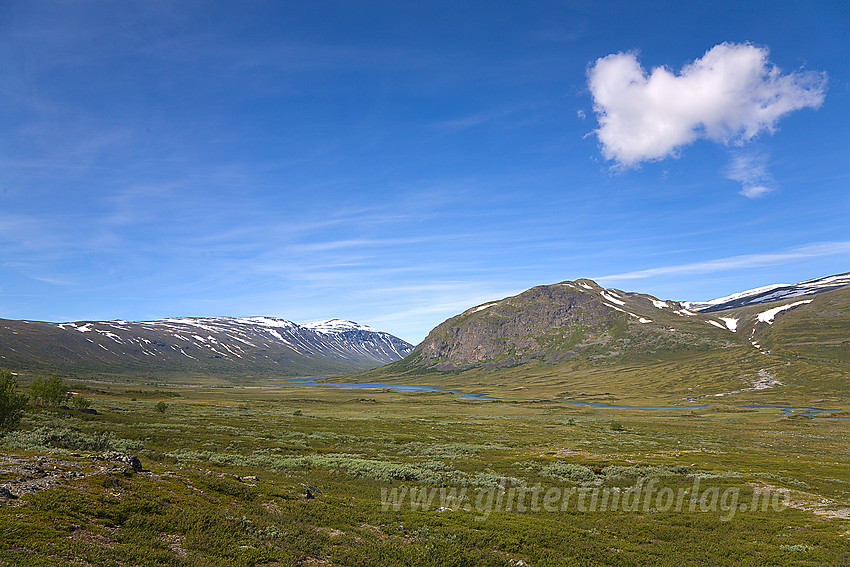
809	320
209	345
553	323
578	340
816	329
770	293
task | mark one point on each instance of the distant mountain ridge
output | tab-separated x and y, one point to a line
770	293
239	345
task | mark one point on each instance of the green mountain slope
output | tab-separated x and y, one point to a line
579	341
818	332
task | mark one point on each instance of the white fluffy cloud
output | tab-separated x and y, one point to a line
731	94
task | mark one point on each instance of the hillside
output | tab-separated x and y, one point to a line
242	346
814	328
554	323
578	340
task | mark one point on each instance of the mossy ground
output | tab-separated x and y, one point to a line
190	510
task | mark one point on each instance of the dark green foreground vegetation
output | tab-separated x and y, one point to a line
188	507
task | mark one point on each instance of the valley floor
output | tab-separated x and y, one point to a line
331	476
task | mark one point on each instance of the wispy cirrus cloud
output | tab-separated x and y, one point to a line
750	170
513	116
731	94
434	308
815	250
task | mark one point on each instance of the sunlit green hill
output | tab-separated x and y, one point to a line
577	340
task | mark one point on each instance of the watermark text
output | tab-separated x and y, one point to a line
644	497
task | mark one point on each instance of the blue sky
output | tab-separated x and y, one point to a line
396	163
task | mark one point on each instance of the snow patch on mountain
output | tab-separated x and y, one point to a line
266	321
767	316
481	308
608	297
638	317
333	326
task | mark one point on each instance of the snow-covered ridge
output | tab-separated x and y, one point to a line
840	279
331	326
700	305
260	339
266	321
769	293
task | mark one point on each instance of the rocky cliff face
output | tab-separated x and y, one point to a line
548	321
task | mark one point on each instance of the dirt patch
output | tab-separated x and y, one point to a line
175	544
329	531
375	530
809	502
272	507
310	561
574	453
94	538
398	533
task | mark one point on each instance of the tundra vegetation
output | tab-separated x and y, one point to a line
280	475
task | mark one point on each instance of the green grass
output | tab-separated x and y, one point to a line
191	510
647	380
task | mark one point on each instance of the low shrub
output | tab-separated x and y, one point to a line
617	473
230	487
568	472
64	439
